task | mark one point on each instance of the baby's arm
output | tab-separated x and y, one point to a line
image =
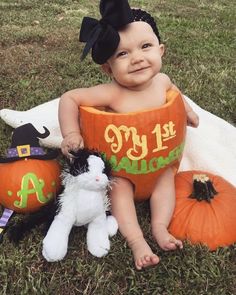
192	117
100	95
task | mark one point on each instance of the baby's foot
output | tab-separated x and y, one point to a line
164	239
143	255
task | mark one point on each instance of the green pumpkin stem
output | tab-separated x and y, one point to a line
203	188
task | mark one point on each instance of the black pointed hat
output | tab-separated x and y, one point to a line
25	144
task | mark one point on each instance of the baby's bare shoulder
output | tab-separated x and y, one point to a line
163	80
108	91
163	77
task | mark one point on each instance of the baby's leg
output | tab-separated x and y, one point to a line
123	208
162	205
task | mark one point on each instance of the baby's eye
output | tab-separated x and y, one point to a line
122	53
146	45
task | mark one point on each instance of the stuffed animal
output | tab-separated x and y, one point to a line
83	202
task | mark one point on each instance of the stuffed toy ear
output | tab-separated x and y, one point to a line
108	168
79	163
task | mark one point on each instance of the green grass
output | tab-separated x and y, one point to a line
40	60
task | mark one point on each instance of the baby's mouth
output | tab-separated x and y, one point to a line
138	70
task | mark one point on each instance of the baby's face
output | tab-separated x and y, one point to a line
138	57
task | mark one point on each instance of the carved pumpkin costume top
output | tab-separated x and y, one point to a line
139	145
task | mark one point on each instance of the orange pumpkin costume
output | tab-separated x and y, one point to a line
140	145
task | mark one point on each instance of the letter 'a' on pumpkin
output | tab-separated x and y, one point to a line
205	209
139	145
28	184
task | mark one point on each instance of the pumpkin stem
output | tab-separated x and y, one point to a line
203	188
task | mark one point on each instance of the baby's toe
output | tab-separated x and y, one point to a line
146	259
154	259
139	264
179	244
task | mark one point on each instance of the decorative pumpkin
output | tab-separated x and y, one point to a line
205	209
28	184
139	145
29	176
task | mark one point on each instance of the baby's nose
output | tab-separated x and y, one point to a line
136	58
97	178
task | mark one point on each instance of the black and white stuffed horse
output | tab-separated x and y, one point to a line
84	201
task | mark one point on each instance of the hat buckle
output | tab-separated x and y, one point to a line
23	150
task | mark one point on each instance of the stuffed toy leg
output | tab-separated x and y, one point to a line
99	231
55	243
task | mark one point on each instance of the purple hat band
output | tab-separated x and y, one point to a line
24	151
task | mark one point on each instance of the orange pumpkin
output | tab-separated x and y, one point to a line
28	184
205	209
139	145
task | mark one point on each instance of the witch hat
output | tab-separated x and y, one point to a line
25	144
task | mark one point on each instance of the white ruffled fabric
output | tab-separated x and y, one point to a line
210	147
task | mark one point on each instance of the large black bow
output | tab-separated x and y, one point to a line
102	36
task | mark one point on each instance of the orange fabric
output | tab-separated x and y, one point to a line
140	145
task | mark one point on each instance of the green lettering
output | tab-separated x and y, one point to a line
36	188
124	164
162	162
144	167
153	164
113	162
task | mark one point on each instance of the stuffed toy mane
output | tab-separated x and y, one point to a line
83	202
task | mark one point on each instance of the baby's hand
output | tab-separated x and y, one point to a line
72	141
192	119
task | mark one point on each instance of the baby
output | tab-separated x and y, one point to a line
126	43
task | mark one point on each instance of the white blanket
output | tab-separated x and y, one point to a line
210	147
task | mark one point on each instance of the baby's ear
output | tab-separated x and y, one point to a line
107	69
162	49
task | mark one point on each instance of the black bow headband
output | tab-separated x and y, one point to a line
102	36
